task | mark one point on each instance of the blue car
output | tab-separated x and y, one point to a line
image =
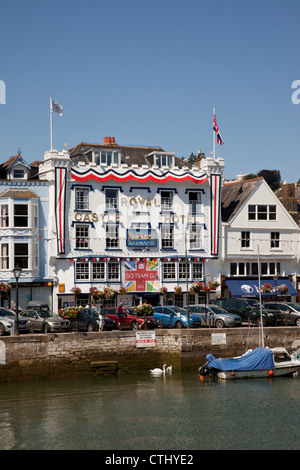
175	317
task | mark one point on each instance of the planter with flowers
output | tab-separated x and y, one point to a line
144	310
122	290
267	288
282	289
69	312
75	290
213	285
163	290
177	290
4	287
197	287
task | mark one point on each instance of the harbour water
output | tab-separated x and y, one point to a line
140	412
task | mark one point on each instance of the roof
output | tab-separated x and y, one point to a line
18	193
233	196
131	155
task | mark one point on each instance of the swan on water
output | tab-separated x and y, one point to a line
169	369
159	371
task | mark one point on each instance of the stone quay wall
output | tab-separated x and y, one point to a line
72	354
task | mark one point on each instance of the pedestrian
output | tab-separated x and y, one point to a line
101	318
88	305
94	308
120	309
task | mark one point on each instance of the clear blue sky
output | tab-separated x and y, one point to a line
149	72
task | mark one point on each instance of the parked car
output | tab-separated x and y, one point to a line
289	311
46	321
249	309
109	324
125	320
212	315
7	321
150	321
175	317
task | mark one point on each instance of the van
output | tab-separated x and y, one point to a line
249	309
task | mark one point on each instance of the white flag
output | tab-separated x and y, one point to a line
57	108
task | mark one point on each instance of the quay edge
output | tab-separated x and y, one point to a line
40	356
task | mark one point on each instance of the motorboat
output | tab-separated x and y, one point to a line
259	362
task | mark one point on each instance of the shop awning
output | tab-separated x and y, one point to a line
250	287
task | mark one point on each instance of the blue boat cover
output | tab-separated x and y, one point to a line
257	359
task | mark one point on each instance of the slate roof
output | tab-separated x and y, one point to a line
129	154
234	195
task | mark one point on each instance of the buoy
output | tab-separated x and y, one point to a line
232	373
271	373
201	378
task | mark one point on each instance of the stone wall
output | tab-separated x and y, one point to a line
71	354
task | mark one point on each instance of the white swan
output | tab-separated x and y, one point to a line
169	369
159	371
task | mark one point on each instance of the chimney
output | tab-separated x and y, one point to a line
109	141
199	158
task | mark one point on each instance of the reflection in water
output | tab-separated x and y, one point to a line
173	412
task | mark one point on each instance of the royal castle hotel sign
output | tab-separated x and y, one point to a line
129	218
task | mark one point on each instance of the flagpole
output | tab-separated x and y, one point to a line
51	112
214	136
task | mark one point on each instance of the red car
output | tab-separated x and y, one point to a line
129	320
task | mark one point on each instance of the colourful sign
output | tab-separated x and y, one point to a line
141	276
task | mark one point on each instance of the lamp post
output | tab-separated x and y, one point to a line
17	272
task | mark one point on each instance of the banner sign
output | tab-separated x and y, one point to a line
141	276
141	237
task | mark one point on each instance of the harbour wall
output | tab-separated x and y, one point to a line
39	356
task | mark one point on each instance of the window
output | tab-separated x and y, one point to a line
4	215
4	256
98	272
163	160
195	237
194	202
197	270
112	236
106	158
169	271
82	272
251	269
21	215
167	200
18	173
82	236
35	216
275	239
245	240
167	232
35	255
21	255
81	199
111	199
113	271
183	273
262	212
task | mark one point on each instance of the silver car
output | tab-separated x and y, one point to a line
46	321
214	316
290	312
7	322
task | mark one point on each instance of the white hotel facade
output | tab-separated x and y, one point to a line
132	217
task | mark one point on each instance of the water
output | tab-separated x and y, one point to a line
133	412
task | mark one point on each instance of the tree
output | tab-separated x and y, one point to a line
272	177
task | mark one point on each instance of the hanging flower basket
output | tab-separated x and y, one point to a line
197	287
213	285
177	290
267	288
163	290
122	290
4	287
144	309
282	289
76	290
69	312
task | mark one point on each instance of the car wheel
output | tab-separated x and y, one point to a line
90	327
2	330
135	325
297	322
257	321
46	328
219	323
179	324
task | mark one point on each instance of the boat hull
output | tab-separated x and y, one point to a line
277	372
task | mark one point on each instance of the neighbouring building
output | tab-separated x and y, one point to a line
131	218
23	232
258	233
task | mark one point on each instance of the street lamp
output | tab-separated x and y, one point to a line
17	273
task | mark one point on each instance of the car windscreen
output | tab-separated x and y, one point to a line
6	313
47	314
179	310
295	306
217	309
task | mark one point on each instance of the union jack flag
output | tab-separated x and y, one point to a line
216	129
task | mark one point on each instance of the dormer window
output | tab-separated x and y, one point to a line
18	173
106	158
164	160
